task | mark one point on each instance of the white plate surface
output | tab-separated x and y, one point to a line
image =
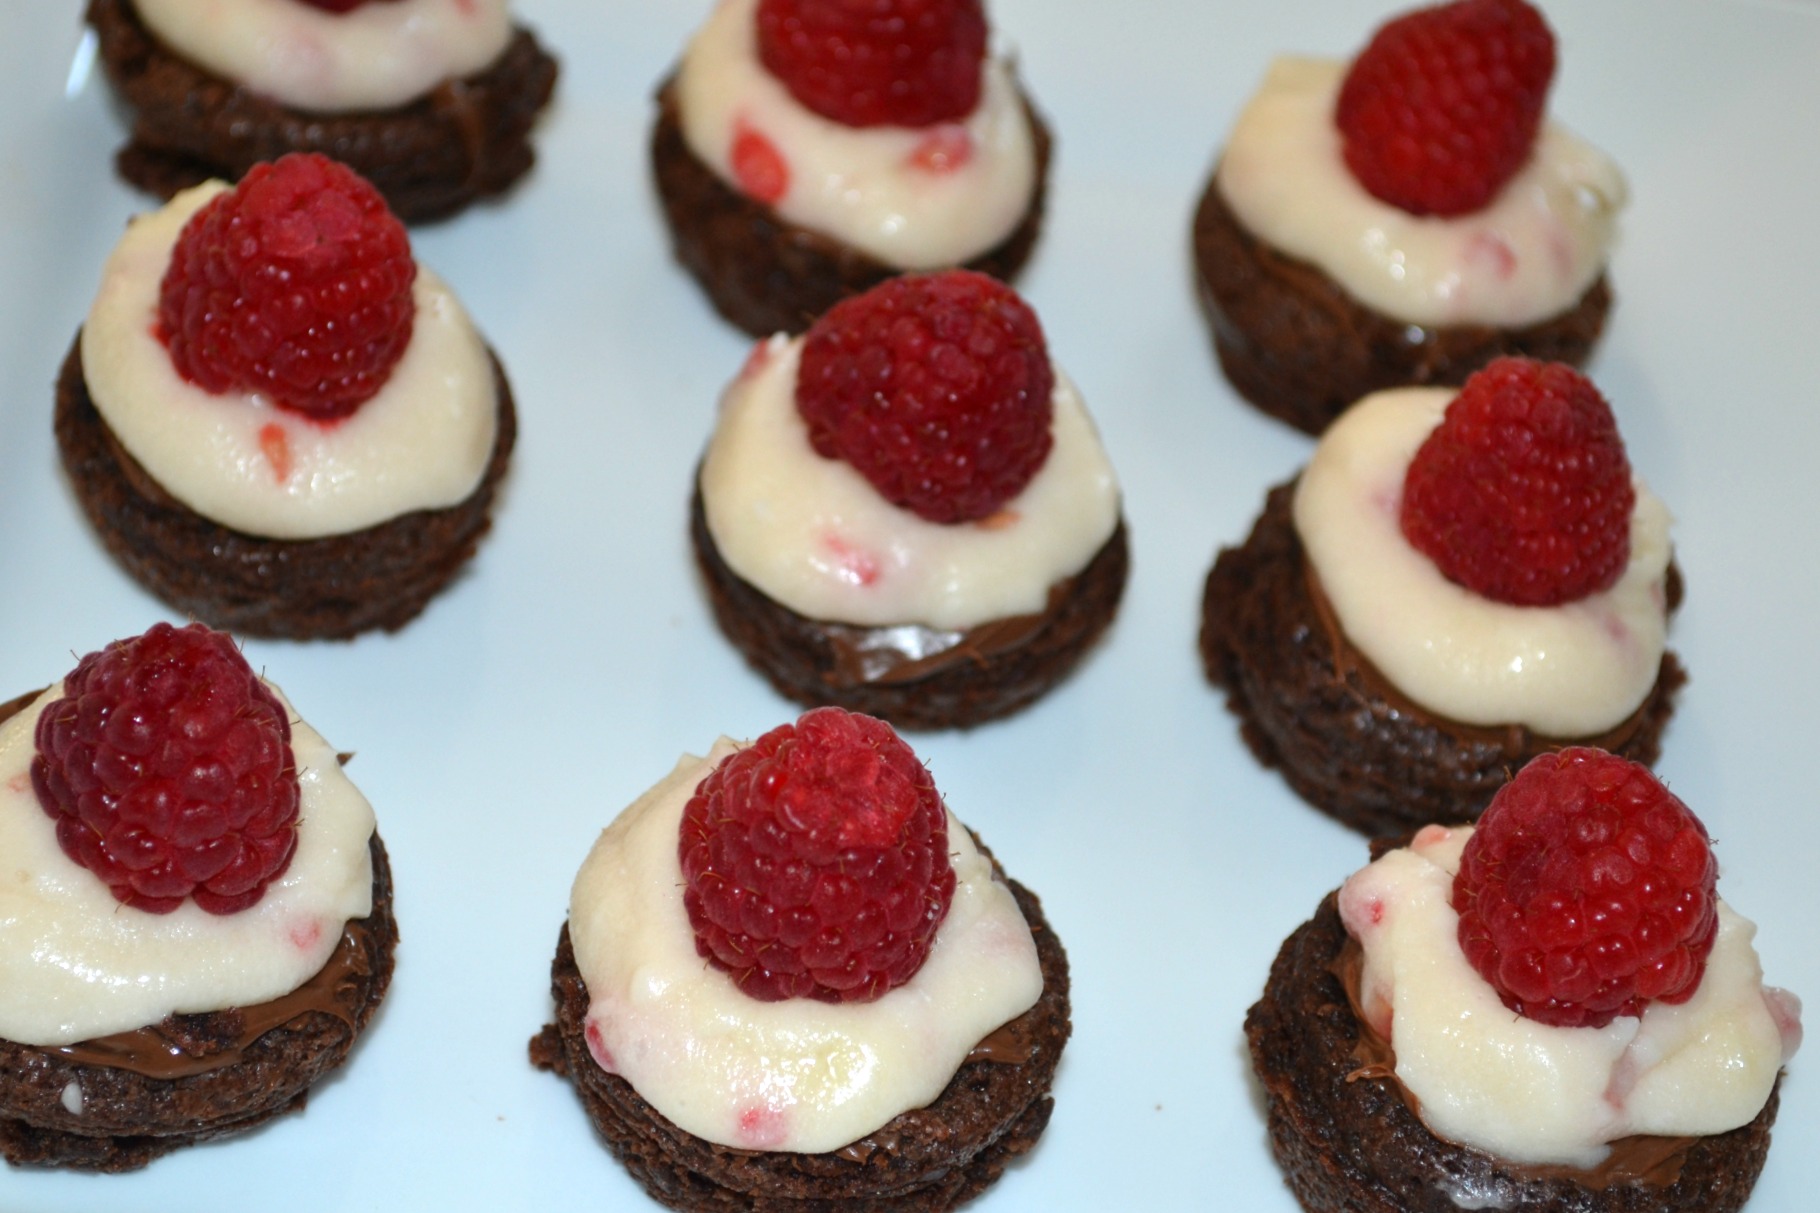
566	671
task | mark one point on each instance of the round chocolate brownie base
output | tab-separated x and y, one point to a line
922	1161
466	140
1295	344
230	1071
914	677
301	589
1350	1143
767	275
1347	742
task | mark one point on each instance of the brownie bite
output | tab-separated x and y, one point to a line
1352	238
465	140
306	513
93	945
934	537
789	183
921	1013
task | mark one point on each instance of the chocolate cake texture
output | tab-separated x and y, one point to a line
922	1161
379	577
915	677
1346	741
1293	342
767	275
1347	1139
467	140
117	1102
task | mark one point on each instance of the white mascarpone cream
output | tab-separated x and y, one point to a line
1528	256
1564	671
797	1075
423	442
76	964
813	534
1533	1093
912	198
378	56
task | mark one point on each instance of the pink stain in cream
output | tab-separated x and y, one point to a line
597	1046
999	520
855	566
946	149
758	166
306	934
276	447
1785	1011
17	784
1493	251
762	1127
466	8
756	360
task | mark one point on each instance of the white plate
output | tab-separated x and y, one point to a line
567	670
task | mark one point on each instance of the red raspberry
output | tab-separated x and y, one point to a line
816	861
1442	107
935	388
295	284
1587	891
876	62
167	766
1523	493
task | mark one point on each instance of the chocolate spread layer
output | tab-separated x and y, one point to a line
1350	1143
1294	343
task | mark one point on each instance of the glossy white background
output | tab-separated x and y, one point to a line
569	667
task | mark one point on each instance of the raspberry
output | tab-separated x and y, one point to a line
876	62
1442	107
1523	493
167	766
935	388
816	861
295	284
1587	891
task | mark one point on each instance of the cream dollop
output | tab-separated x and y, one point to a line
1565	671
76	964
1526	257
814	535
1533	1093
798	1075
912	198
377	56
423	442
